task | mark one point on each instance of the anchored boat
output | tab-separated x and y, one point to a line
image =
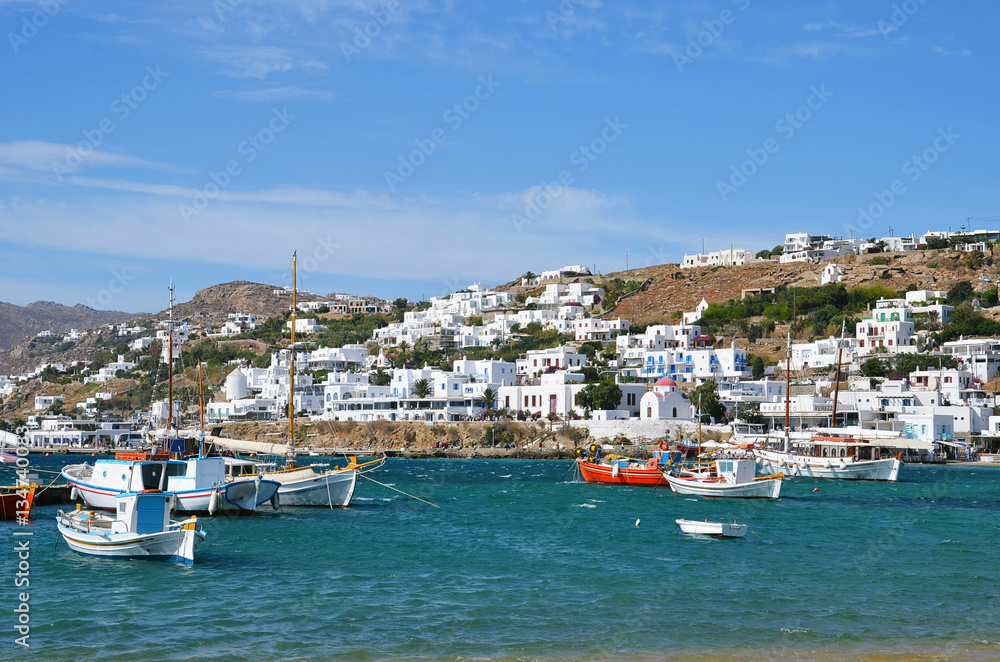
733	478
140	528
707	528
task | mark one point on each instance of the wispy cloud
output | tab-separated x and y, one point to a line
846	30
42	156
277	94
258	61
943	51
437	238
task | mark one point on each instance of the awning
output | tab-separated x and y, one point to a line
953	444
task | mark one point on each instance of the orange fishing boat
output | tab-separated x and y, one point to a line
620	470
17	501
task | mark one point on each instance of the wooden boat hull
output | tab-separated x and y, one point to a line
333	489
16	501
706	528
842	468
600	473
177	545
241	496
768	488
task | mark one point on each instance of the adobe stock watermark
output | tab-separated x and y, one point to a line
713	29
121	107
323	250
249	149
363	36
543	195
900	16
120	279
786	127
22	545
913	169
454	117
47	10
566	11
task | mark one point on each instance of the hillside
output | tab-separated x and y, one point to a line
671	290
20	322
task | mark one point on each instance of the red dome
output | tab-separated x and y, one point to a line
665	381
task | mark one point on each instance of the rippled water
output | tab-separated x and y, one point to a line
517	565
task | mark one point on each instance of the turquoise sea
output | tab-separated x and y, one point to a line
516	565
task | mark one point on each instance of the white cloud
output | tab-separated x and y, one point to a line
42	156
276	94
381	237
258	61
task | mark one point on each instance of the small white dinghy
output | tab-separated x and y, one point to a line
140	528
707	528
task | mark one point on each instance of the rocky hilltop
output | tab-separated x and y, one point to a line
20	322
670	289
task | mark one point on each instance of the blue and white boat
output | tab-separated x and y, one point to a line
199	485
140	528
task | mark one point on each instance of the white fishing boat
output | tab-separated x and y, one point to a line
707	528
733	478
199	484
818	456
140	528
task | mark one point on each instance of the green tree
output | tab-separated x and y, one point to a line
399	309
758	367
748	412
602	395
962	291
382	378
873	368
489	399
422	388
708	395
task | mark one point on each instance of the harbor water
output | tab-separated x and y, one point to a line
517	564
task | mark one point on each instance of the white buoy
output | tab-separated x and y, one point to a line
72	494
637	522
213	502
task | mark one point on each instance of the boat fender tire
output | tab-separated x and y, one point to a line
664	446
274	501
827	465
73	494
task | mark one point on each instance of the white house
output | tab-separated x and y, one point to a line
46	401
831	274
305	326
730	257
538	361
889	326
665	402
692	317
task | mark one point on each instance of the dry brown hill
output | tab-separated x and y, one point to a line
672	290
19	322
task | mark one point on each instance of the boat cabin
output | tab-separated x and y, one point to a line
736	471
200	473
142	513
128	476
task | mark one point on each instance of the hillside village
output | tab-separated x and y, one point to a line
642	354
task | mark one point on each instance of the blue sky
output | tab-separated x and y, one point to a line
410	148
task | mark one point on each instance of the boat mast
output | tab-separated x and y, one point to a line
291	369
170	363
201	413
699	427
788	386
836	386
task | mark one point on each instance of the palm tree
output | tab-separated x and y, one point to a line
488	398
421	388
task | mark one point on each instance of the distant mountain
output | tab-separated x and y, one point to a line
19	322
213	304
